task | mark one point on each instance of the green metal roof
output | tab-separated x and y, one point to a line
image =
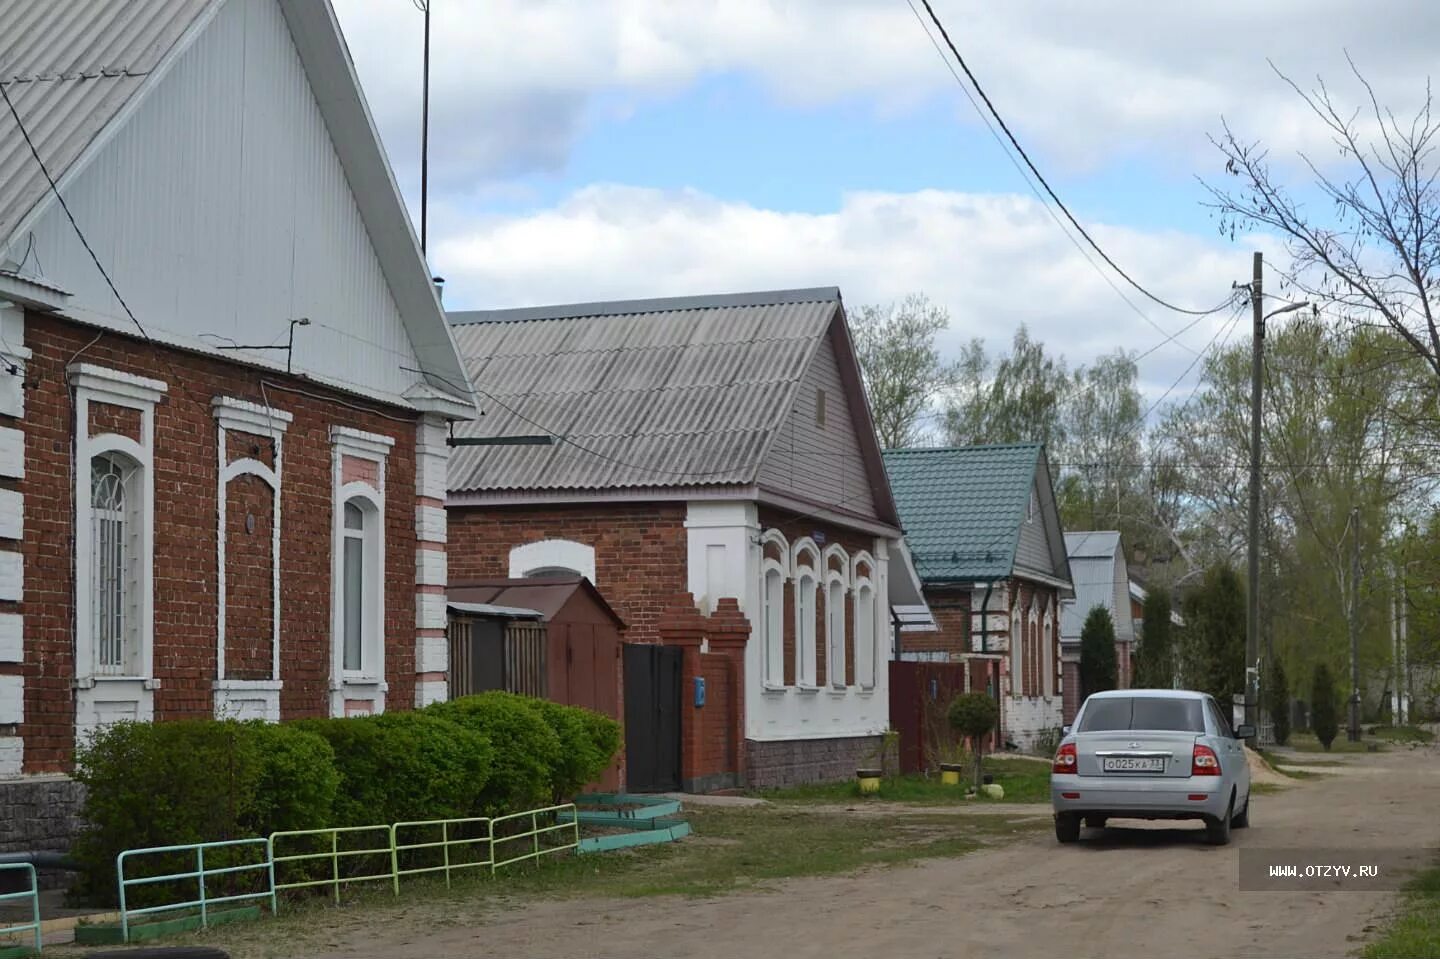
962	508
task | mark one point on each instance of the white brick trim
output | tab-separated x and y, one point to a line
113	386
12	700
12	756
432	654
431	474
12	453
12	577
430	612
431	691
12	638
352	442
430	568
12	514
430	524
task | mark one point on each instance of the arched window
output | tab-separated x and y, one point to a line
115	561
865	652
835	658
807	583
1048	638
1017	652
774	570
360	582
1032	663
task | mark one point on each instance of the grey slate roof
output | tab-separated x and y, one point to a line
648	393
70	66
1092	572
962	508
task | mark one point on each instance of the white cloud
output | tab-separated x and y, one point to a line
1082	82
994	261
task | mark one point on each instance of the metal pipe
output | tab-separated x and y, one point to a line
41	859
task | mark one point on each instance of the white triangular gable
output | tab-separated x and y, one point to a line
222	211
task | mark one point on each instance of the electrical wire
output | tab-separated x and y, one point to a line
54	188
1045	184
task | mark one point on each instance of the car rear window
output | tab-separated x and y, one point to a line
1143	712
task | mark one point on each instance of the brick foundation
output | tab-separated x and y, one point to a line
795	762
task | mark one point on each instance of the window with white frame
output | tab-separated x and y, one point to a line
773	623
1049	652
865	653
807	585
835	658
358	583
115	558
1017	652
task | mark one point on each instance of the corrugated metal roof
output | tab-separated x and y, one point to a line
1094	582
645	393
490	609
69	66
962	508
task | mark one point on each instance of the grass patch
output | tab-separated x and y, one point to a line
1265	789
1416	930
731	850
1024	780
1307	743
1403	734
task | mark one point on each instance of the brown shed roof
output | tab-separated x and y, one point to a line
546	595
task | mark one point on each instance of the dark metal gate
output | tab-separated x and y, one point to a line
652	718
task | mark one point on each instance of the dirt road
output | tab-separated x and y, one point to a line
1146	890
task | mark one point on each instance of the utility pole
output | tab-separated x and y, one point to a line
1353	732
424	6
1252	595
1404	684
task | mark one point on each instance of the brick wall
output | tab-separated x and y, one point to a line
950	608
640	551
186	513
792	762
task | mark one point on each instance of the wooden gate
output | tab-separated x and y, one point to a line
488	653
652	718
920	695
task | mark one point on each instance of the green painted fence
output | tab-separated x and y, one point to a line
31	929
204	900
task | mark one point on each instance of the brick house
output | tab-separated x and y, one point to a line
1102	578
223	435
984	531
711	449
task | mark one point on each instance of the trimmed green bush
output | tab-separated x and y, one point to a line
527	749
404	766
1323	712
974	715
200	780
583	740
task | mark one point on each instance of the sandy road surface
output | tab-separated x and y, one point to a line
1147	890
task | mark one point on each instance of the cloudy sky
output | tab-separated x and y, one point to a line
601	149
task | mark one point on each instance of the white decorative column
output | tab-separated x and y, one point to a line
432	650
13	359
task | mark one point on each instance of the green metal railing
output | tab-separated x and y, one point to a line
477	843
33	894
204	901
562	819
334	854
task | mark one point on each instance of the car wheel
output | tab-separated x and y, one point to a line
1217	831
1067	826
1095	822
1242	818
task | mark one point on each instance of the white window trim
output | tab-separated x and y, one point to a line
864	585
1017	653
368	684
553	554
1047	636
772	642
97	384
806	658
252	419
1032	633
835	627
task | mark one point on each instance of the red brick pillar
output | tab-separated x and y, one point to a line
729	634
684	626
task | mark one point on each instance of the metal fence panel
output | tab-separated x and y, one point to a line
447	842
204	900
334	855
32	928
569	822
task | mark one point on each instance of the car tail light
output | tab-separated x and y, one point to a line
1064	759
1198	797
1205	762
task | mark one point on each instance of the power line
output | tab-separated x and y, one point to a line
54	188
1044	183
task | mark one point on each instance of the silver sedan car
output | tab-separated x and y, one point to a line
1151	754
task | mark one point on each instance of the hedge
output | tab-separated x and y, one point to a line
201	780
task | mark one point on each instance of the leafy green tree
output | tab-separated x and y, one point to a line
1021	398
1275	695
904	372
975	715
1214	648
1098	666
1324	720
1155	659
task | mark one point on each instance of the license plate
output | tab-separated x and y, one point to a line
1133	764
